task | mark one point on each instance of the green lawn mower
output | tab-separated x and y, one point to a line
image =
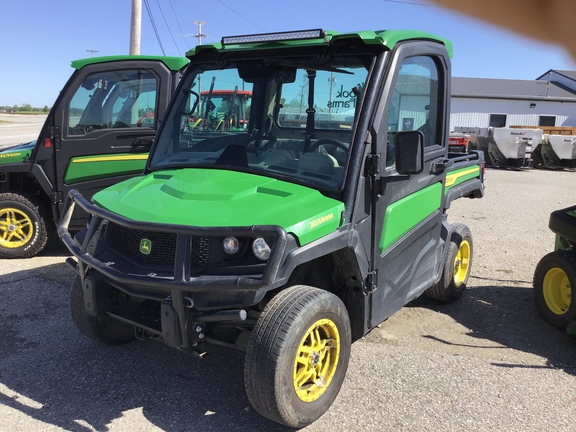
555	276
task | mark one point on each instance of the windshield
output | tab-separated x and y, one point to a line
288	118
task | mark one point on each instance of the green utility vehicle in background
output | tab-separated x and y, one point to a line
555	275
98	132
295	234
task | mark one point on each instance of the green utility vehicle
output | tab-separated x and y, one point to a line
555	275
296	234
98	133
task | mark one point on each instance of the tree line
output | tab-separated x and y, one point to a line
24	108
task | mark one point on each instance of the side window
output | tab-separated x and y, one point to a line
113	99
416	102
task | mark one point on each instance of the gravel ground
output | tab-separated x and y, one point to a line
484	363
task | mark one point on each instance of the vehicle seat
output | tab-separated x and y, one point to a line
276	157
321	163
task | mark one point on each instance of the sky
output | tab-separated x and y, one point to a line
40	38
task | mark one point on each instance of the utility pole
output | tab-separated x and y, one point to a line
92	52
200	35
331	80
135	27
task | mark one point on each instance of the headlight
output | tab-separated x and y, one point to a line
261	249
231	245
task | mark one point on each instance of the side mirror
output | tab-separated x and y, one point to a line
409	151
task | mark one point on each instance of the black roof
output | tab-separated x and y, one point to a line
490	88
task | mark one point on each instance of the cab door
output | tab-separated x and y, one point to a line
408	208
103	127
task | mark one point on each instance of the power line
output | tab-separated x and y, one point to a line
412	3
154	26
166	22
240	15
180	28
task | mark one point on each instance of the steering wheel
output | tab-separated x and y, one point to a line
328	141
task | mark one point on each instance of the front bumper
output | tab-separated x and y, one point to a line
186	293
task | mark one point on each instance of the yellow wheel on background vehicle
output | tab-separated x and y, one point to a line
462	263
22	228
16	228
316	360
298	355
557	290
554	282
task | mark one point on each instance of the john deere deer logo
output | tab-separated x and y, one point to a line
145	246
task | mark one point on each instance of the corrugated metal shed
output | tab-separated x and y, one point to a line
483	102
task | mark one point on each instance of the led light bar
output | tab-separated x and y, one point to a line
273	37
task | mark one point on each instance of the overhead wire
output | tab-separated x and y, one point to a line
166	22
412	3
147	5
178	23
241	16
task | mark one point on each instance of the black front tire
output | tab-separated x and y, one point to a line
554	282
457	266
23	232
101	329
298	355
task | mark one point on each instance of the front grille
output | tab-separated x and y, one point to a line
133	243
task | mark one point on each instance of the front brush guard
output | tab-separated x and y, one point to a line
209	295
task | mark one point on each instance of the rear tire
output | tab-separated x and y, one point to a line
554	282
457	266
23	231
101	329
298	355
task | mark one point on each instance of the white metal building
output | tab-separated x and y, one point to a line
550	100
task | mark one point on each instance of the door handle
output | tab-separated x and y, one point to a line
440	165
144	141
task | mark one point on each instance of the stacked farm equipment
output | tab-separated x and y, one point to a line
556	152
520	147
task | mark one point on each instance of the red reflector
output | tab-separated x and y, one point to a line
47	142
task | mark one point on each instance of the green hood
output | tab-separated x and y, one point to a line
218	198
17	154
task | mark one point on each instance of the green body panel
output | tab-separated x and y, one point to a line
387	38
219	198
17	154
172	63
407	213
87	168
454	178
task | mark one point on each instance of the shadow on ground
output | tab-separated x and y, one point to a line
507	315
51	373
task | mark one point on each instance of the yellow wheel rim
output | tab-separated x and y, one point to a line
557	290
462	263
316	360
16	228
